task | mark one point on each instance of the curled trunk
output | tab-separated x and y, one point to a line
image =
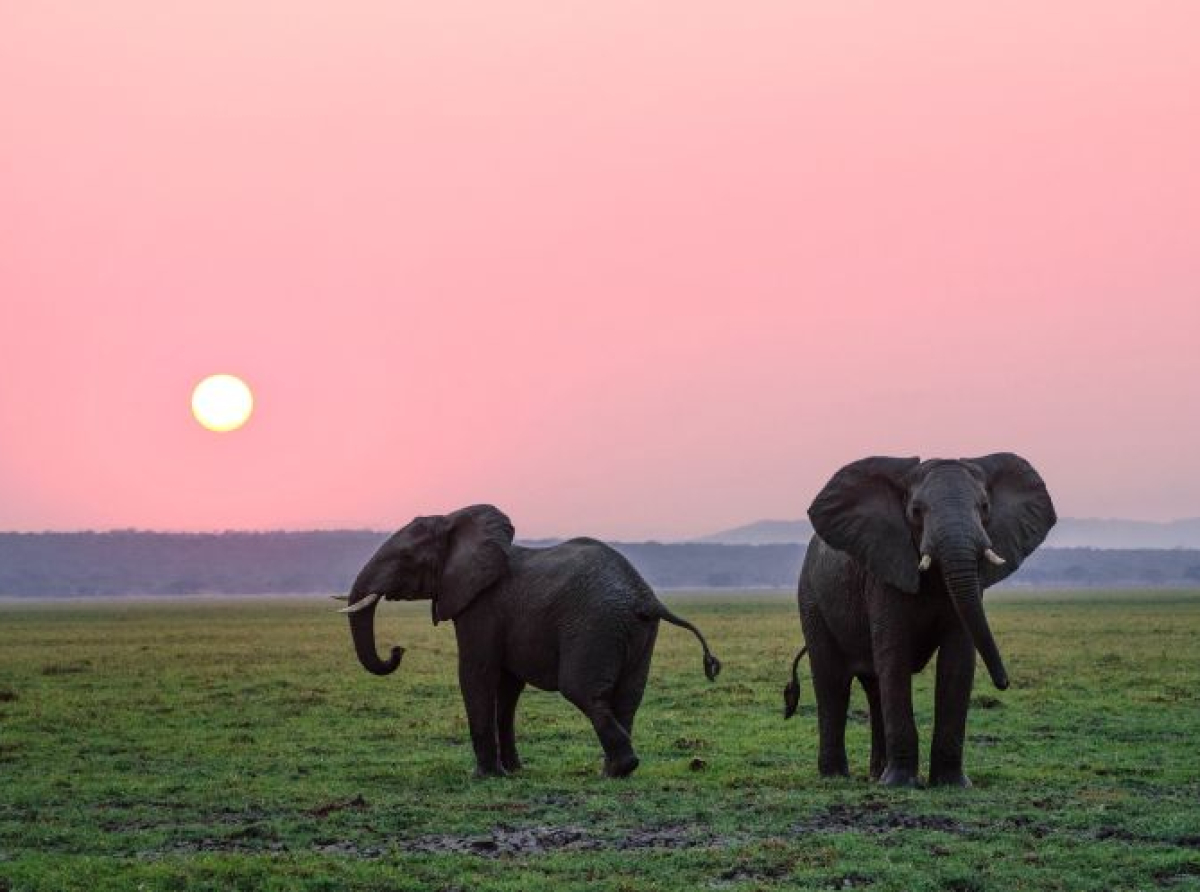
962	581
362	630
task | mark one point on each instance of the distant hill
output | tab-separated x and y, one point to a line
319	562
762	532
1071	532
323	562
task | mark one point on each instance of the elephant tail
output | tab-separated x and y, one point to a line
712	666
791	694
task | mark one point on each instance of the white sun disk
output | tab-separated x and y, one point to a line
222	402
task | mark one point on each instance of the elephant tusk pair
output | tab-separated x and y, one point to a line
993	558
366	602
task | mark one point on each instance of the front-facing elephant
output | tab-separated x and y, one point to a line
902	552
575	618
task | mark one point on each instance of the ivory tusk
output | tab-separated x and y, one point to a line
363	604
926	563
994	558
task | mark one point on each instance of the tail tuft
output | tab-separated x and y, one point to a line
712	667
791	693
791	699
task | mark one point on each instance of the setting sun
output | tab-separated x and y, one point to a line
222	402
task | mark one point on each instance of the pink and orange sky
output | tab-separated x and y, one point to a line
621	268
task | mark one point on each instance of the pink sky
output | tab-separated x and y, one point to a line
621	268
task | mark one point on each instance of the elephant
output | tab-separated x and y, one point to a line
575	617
901	552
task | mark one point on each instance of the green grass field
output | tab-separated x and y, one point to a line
238	745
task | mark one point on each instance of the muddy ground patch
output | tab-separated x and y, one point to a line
510	841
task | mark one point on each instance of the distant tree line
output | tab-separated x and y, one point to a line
143	563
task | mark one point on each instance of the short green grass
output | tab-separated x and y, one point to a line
237	745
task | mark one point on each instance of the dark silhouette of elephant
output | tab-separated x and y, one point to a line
895	571
575	618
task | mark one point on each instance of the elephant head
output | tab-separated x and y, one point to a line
448	558
974	520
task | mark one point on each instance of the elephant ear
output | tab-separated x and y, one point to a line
1022	513
476	559
861	512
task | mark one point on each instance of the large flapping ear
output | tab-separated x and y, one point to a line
1022	513
861	512
476	557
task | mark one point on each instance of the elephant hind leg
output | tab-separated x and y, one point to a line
833	703
831	686
627	696
619	757
870	687
591	686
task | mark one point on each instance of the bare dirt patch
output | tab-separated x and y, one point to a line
876	817
323	811
506	841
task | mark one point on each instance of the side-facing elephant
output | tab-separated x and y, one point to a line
575	618
896	569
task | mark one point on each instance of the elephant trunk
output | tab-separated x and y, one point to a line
362	630
960	569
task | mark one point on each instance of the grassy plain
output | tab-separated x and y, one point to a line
237	745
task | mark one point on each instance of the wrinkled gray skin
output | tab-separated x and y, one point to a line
869	612
575	618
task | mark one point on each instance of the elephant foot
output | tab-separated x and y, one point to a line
482	771
835	772
949	779
622	766
833	766
511	764
894	776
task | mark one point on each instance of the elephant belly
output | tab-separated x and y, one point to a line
921	657
533	660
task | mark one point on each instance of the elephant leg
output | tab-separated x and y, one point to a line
506	713
833	702
479	689
831	687
589	677
870	687
952	698
900	730
892	649
632	685
619	757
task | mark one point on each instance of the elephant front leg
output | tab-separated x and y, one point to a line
955	677
479	690
506	712
870	686
899	727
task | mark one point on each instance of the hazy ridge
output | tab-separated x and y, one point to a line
147	563
1071	532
